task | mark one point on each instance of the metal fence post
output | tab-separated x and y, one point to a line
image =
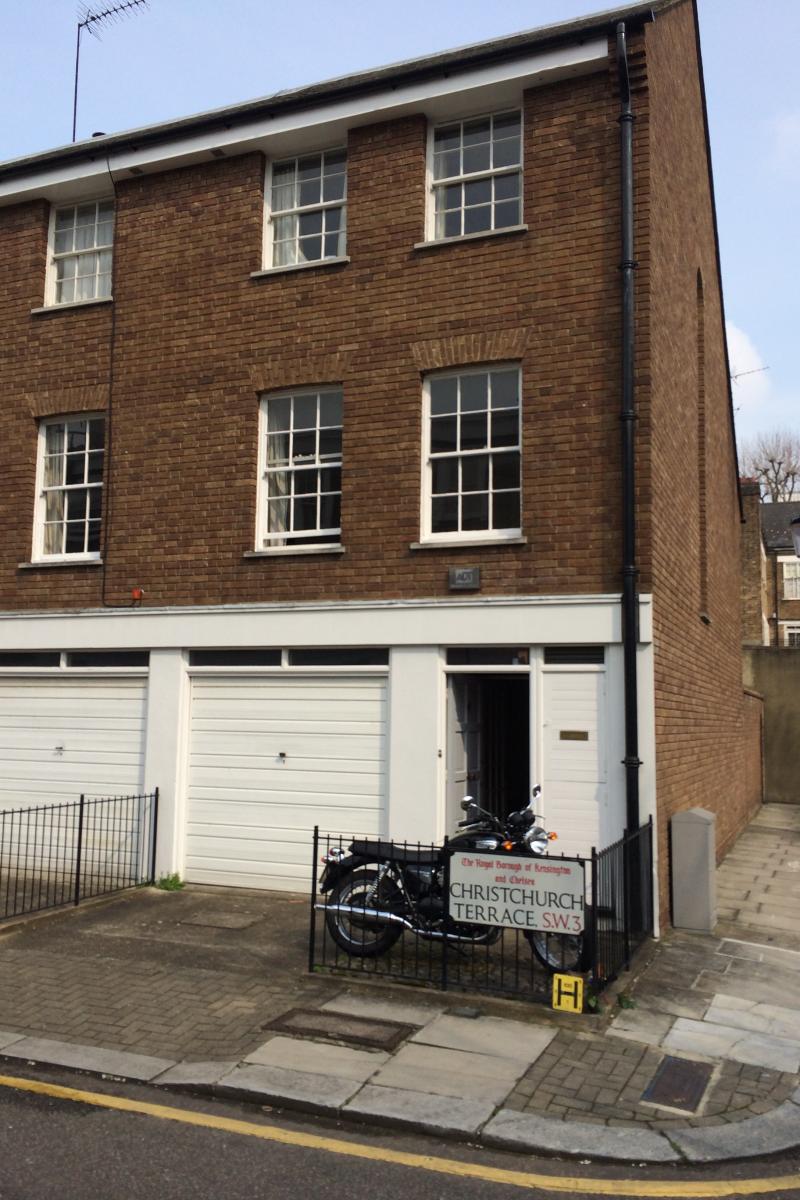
154	836
312	929
446	884
628	854
79	850
593	922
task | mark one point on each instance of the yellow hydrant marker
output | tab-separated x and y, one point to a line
568	993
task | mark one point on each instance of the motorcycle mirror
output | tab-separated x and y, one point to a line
536	791
466	803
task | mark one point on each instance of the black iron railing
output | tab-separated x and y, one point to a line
622	909
391	923
58	854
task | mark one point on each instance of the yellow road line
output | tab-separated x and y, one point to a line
420	1162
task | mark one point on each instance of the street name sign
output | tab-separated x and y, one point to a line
546	894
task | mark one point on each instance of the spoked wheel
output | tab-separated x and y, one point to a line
360	934
558	951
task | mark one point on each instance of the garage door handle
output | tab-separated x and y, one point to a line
282	754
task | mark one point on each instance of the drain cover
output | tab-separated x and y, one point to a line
678	1083
362	1031
223	920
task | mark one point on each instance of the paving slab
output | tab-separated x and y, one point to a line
7	1039
702	1038
140	1067
751	1015
296	1089
318	1058
764	1050
525	1131
383	1010
724	1041
420	1110
639	1025
194	1074
443	1072
673	1001
774	1131
494	1036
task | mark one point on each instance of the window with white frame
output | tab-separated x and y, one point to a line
476	173
70	474
472	454
307	208
791	579
82	236
301	469
791	636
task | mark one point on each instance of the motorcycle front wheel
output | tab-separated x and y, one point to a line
362	935
558	951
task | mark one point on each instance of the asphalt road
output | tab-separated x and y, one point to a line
58	1148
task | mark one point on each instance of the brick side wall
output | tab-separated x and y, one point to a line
701	727
197	339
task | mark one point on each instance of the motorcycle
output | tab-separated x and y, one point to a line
377	890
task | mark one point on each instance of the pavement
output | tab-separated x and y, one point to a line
695	1059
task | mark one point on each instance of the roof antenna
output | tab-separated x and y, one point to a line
92	21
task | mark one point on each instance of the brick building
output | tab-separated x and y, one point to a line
770	571
316	497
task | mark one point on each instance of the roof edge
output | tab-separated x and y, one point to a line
340	87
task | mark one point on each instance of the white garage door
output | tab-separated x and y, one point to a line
271	758
576	791
63	736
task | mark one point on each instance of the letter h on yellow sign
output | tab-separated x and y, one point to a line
568	993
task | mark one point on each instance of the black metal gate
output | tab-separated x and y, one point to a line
59	854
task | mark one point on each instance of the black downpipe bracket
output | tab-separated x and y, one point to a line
630	570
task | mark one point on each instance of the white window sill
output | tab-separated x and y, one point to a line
60	562
306	266
470	237
277	551
54	308
473	543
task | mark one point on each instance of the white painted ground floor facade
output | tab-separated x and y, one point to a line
257	722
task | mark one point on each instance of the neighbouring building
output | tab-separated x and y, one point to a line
770	571
317	508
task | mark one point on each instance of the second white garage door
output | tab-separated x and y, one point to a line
270	758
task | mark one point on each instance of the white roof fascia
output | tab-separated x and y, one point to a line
450	95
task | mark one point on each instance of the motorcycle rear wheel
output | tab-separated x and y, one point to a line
364	936
558	951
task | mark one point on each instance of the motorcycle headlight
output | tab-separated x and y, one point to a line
536	839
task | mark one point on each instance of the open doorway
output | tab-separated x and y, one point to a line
488	743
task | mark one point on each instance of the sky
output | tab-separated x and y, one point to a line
178	57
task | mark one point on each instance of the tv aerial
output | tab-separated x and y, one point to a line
93	20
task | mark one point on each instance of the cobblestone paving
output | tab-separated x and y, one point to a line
592	1078
138	975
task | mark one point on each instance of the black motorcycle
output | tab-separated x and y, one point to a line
377	890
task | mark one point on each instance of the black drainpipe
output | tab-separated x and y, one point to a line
630	571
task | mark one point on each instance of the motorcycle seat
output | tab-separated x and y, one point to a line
377	850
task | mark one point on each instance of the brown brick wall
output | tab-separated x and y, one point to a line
701	730
197	338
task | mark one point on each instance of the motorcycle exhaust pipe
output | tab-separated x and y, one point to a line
387	918
376	914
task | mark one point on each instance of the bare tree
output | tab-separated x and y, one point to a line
773	458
